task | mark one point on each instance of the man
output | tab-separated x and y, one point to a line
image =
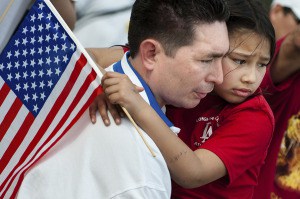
280	175
176	56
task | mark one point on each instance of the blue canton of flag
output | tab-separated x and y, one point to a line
36	56
47	81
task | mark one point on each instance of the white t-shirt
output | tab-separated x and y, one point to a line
94	161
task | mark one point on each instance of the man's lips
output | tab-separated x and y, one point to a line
201	95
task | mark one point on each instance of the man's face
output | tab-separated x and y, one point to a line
184	79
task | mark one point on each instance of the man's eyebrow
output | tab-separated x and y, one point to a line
217	55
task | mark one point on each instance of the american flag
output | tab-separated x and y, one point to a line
47	81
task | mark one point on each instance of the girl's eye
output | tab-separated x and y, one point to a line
262	65
239	61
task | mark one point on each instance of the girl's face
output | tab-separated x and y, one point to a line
244	66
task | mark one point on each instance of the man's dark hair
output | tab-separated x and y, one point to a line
171	22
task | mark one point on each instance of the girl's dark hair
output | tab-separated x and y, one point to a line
251	15
171	22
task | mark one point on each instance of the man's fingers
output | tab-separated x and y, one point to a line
114	112
92	111
102	108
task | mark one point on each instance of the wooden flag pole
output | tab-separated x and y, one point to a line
138	130
6	10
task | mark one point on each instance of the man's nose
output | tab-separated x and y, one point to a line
216	75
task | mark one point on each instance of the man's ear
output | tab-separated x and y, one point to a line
149	50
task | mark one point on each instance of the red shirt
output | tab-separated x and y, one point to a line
284	100
238	134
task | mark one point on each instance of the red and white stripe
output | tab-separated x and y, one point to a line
25	139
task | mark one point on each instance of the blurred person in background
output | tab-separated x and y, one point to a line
285	16
102	23
280	176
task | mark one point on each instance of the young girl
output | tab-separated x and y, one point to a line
226	137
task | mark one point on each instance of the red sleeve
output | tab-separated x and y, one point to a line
125	48
270	88
267	84
243	138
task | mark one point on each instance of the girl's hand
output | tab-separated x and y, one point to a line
120	90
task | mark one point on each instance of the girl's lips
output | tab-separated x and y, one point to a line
242	92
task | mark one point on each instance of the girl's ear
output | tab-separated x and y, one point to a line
149	50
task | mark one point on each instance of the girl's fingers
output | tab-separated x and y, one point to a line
138	89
